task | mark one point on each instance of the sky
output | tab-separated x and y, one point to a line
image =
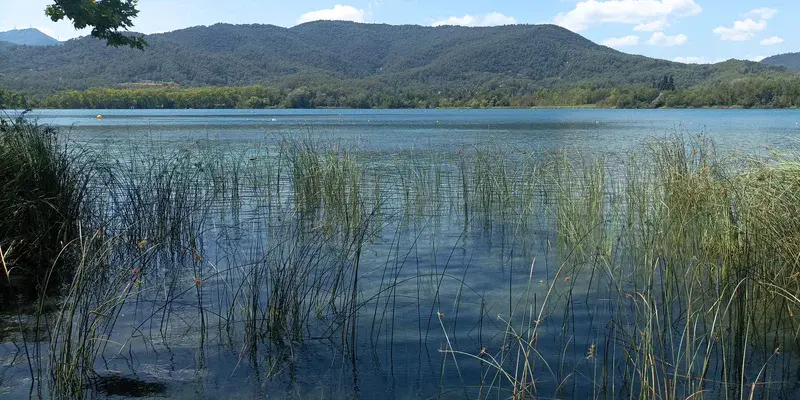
698	31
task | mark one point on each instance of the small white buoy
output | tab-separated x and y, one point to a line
273	120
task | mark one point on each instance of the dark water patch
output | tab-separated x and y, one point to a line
129	386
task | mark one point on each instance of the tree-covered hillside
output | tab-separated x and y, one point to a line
448	58
6	46
789	60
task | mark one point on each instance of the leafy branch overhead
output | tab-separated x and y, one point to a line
108	19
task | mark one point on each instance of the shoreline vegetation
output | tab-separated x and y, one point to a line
748	92
687	261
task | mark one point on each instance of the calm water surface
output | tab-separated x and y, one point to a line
597	130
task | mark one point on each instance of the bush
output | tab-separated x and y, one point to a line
41	195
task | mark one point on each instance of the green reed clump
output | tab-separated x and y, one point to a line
767	225
327	186
696	260
307	175
768	216
581	207
502	185
422	183
82	328
42	193
498	180
710	259
162	200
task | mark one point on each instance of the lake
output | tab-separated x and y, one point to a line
269	288
447	130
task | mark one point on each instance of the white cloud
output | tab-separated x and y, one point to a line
653	26
746	29
690	60
660	39
622	41
491	19
762	13
771	41
337	13
741	30
646	14
756	58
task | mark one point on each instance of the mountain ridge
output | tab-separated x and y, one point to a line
28	37
787	60
447	58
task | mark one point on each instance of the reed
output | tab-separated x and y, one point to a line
685	262
42	195
686	252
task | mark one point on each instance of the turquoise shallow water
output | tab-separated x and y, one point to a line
398	350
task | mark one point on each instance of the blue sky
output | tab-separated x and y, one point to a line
680	30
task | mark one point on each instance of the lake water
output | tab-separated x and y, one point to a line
594	130
432	292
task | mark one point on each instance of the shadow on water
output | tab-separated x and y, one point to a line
128	386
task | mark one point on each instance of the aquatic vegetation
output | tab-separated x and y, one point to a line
670	272
42	193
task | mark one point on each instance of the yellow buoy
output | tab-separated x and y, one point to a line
99	117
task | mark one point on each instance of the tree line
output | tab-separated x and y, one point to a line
748	92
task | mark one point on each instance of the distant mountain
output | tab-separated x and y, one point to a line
456	59
28	37
789	60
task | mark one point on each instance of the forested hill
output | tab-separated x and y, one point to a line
789	60
6	46
452	59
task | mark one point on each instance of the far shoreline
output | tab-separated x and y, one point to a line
584	107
